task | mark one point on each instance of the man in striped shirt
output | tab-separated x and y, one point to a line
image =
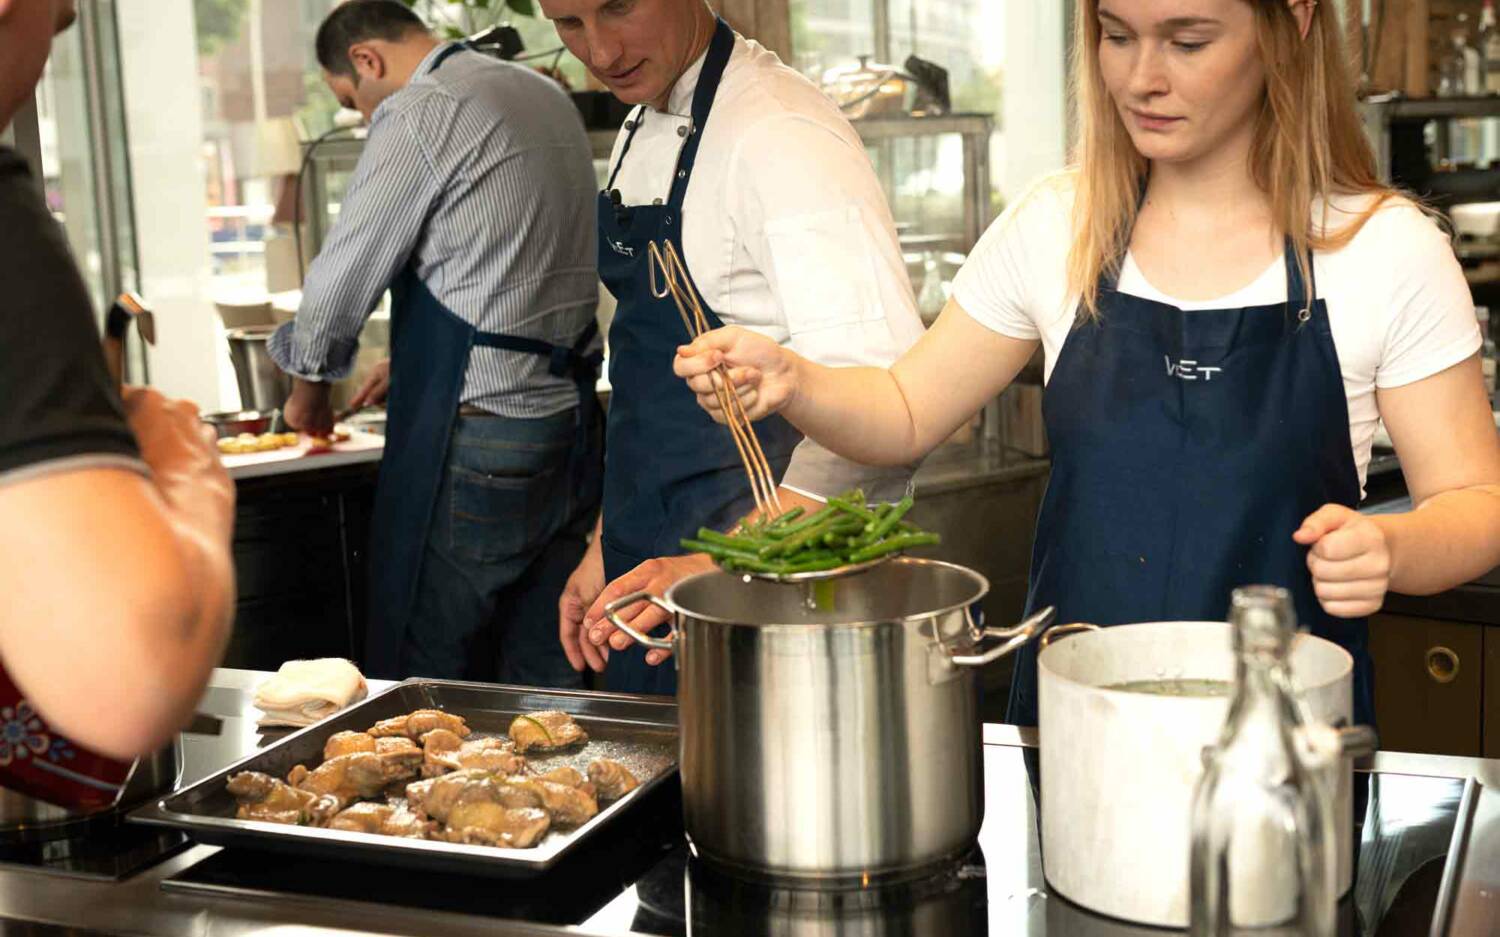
473	203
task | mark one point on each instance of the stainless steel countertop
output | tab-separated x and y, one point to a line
138	905
967	465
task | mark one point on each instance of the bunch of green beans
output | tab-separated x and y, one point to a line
846	532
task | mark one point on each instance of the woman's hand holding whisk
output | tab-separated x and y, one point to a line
763	373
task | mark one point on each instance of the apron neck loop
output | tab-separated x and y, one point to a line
1300	295
714	63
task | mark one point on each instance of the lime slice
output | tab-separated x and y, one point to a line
539	724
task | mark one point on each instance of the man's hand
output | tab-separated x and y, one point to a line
1350	560
583	587
654	576
308	408
373	391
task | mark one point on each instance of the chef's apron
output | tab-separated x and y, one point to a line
669	468
1187	447
430	348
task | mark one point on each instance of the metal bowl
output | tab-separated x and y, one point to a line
233	423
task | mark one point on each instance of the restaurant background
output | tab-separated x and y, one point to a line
170	135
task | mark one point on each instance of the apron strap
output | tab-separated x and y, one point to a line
1300	297
562	360
446	54
719	50
632	124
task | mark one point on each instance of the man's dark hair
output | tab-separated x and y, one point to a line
357	21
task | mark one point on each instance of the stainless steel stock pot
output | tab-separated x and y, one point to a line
831	743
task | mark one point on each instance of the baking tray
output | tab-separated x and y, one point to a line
640	732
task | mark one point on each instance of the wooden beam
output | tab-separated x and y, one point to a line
768	22
1416	81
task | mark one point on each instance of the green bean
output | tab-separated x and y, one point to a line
891	545
755	565
887	521
811	520
746	543
846	531
849	507
814	565
717	550
797	541
788	517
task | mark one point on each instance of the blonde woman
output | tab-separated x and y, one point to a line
1228	302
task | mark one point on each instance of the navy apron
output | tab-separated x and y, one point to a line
668	468
1187	447
429	358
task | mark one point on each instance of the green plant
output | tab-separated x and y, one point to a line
218	23
456	19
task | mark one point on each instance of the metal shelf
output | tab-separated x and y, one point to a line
1439	108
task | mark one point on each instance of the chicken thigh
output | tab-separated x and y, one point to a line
611	779
386	819
262	797
443	751
545	731
414	725
347	777
347	743
491	824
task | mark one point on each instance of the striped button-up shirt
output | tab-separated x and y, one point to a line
479	173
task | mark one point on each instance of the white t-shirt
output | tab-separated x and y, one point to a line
786	230
1398	305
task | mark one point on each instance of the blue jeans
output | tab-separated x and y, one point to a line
517	502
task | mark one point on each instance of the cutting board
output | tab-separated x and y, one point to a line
359	447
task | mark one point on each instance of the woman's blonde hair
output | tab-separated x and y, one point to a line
1308	145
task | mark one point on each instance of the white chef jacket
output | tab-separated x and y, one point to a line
786	231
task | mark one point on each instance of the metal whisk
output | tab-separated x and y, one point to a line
676	283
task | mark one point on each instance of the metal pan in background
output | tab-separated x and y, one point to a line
640	732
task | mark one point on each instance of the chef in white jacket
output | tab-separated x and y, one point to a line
769	196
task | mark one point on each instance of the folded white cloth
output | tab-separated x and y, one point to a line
304	691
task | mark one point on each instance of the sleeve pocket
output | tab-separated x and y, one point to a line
824	269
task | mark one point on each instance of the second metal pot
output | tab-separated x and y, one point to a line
830	745
263	386
26	819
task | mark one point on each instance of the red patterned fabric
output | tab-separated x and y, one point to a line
38	762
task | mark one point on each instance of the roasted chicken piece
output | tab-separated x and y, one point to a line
443	751
416	724
569	806
435	797
386	819
262	797
347	777
611	779
545	731
347	743
400	758
490	824
566	775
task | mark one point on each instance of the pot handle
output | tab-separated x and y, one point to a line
1062	631
611	611
1012	638
1325	745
